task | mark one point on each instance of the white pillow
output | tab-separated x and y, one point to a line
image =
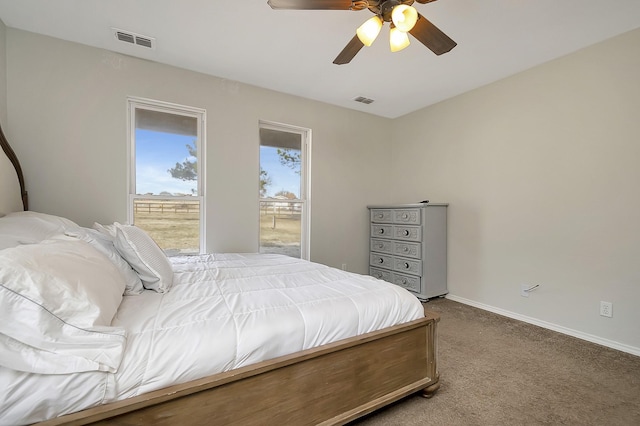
107	230
31	227
144	255
48	220
104	244
57	301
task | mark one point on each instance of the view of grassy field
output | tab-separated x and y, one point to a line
175	227
280	233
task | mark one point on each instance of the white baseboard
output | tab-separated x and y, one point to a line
580	335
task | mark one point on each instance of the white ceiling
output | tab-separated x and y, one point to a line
292	51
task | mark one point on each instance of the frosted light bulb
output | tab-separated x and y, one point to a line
398	40
368	31
404	17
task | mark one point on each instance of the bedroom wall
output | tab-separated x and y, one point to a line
67	104
540	169
542	173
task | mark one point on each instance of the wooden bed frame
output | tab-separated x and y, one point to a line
16	165
328	385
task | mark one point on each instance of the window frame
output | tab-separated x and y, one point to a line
200	114
305	181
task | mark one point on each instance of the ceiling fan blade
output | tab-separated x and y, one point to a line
311	4
429	35
349	51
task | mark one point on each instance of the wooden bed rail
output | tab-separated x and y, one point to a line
329	385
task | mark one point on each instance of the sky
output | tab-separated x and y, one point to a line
282	177
157	152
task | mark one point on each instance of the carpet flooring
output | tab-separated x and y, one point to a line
496	370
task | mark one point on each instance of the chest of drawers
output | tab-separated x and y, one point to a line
408	247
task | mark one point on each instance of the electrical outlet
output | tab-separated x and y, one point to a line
524	290
344	266
606	309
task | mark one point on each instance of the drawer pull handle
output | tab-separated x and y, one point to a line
381	231
404	281
380	260
378	275
406	232
406	265
380	215
405	216
406	249
380	246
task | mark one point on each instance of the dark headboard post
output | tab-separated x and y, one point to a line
16	164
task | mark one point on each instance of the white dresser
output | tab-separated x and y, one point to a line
408	247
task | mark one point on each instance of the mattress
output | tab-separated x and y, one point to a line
223	311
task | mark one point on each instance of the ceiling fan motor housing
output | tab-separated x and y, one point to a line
385	7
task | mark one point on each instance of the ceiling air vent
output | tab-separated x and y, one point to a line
133	38
144	42
363	100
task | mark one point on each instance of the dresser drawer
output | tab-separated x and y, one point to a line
408	282
383	246
408	233
381	274
381	260
407	249
407	266
408	216
381	216
384	231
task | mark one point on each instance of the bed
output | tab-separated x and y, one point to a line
130	336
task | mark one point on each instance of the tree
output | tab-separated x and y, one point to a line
265	181
286	194
290	158
187	170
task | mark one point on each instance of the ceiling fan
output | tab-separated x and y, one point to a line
403	19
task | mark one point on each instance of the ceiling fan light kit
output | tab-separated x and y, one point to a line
403	18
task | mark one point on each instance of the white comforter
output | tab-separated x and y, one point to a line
223	311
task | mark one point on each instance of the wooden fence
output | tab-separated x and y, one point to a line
166	206
280	207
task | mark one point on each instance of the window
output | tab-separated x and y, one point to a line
284	190
166	174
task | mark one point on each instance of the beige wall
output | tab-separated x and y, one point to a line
542	171
67	104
